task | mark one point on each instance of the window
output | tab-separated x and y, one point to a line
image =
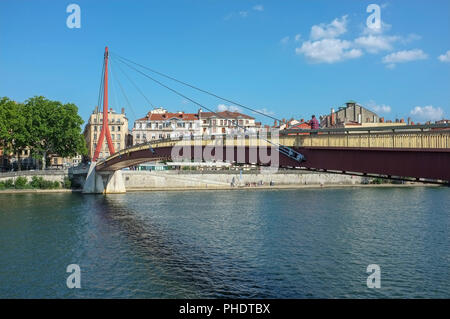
118	136
118	146
118	128
112	128
95	136
112	136
138	136
95	128
144	136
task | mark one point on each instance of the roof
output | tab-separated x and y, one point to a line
193	116
225	114
168	116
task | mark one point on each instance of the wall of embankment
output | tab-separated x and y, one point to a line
135	180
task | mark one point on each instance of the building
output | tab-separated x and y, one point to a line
226	122
160	124
350	114
118	127
56	161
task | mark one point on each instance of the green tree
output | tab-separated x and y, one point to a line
55	128
14	136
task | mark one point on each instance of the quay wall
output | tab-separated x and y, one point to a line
135	180
56	175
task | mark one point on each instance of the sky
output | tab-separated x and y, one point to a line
284	58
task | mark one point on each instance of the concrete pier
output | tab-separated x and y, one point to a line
107	182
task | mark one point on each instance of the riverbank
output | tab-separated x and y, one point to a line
216	188
279	187
27	191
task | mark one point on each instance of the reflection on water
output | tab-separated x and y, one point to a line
262	244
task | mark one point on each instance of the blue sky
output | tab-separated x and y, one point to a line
288	58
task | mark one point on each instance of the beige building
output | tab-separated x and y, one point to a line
159	124
226	122
118	127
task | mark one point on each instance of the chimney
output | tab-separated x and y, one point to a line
402	121
123	110
302	120
409	121
381	119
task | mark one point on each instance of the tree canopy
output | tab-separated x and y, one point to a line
44	126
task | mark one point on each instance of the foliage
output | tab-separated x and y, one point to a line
378	180
21	182
14	136
9	183
67	183
40	183
44	126
55	128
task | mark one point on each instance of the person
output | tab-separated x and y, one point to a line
314	124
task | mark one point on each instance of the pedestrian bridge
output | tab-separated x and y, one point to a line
417	153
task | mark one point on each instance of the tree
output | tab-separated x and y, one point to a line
55	128
14	137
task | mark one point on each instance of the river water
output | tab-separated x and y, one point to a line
306	243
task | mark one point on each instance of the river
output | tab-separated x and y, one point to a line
304	243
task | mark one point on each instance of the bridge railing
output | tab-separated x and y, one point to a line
425	136
431	139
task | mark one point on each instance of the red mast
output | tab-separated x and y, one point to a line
105	126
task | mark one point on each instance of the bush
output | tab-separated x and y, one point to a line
9	183
67	183
41	183
36	182
2	185
21	182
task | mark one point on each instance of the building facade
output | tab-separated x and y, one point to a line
118	127
160	124
350	114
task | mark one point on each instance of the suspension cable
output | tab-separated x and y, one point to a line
197	88
281	148
135	86
123	92
100	93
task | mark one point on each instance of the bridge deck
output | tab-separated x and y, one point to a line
417	154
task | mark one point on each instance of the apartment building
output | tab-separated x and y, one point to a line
118	126
159	124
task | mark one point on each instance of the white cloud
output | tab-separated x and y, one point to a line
231	108
266	111
243	14
379	108
376	43
284	40
328	50
258	7
404	56
297	37
427	113
331	30
445	57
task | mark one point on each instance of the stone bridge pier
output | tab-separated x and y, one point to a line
105	182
